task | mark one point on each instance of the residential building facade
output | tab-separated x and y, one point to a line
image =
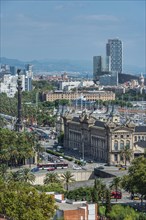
8	84
89	95
68	85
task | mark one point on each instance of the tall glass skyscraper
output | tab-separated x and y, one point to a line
114	52
97	67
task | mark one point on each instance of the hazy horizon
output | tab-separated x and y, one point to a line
72	30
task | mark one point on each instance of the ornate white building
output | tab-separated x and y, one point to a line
100	140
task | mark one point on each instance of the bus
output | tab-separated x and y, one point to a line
52	166
116	195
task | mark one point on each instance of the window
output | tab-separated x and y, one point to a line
116	145
135	138
115	157
127	135
115	136
128	143
121	136
121	145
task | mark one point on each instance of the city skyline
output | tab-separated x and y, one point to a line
72	30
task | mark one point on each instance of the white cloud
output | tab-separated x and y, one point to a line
101	17
22	20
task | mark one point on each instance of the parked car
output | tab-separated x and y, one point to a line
90	161
50	169
123	167
77	168
60	157
100	168
135	197
116	195
35	169
118	165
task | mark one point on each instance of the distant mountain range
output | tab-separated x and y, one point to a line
54	65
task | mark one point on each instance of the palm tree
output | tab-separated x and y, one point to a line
67	178
51	178
38	149
108	201
13	155
25	144
23	175
4	156
26	175
126	153
100	187
116	184
14	176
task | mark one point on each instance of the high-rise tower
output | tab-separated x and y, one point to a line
97	67
114	52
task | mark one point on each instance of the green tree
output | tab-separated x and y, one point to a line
95	197
81	193
15	147
108	201
38	149
101	189
126	154
51	178
116	184
51	187
119	212
25	175
13	155
13	176
61	138
42	85
135	181
67	177
142	216
21	202
3	122
3	171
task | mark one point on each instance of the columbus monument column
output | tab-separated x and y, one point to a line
18	126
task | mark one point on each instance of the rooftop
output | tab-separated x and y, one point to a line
140	129
68	206
141	144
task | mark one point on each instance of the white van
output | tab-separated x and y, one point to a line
59	148
60	157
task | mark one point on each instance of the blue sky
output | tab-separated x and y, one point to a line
75	30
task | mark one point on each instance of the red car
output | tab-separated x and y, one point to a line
50	169
116	195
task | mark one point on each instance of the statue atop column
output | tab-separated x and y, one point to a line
18	126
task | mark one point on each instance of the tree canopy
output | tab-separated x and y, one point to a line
15	147
123	213
21	202
135	181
